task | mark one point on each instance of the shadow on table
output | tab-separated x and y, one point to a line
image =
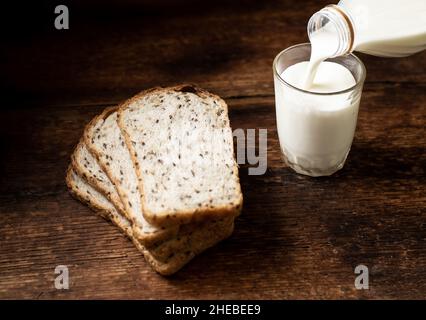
257	249
372	161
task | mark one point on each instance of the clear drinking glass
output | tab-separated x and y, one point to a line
316	129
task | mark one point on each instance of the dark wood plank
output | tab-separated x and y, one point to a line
296	238
106	56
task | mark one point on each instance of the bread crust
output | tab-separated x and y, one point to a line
194	240
175	254
169	218
79	196
179	260
81	171
147	239
183	234
162	248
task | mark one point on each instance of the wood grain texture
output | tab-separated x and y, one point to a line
297	237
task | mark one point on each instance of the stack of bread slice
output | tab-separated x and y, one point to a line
161	167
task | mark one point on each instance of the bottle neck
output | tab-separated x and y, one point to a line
338	25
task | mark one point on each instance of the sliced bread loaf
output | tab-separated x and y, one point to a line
176	256
180	259
87	169
181	144
195	241
86	166
81	190
104	140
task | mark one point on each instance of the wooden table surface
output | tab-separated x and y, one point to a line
297	237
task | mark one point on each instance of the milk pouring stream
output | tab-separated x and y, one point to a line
316	125
386	28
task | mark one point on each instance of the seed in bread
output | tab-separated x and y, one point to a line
182	147
176	254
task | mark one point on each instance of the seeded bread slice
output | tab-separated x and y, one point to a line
196	240
200	240
181	145
104	140
86	167
82	191
180	259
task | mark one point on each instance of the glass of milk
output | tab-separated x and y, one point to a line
316	121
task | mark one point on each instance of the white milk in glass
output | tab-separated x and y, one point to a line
316	131
316	122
